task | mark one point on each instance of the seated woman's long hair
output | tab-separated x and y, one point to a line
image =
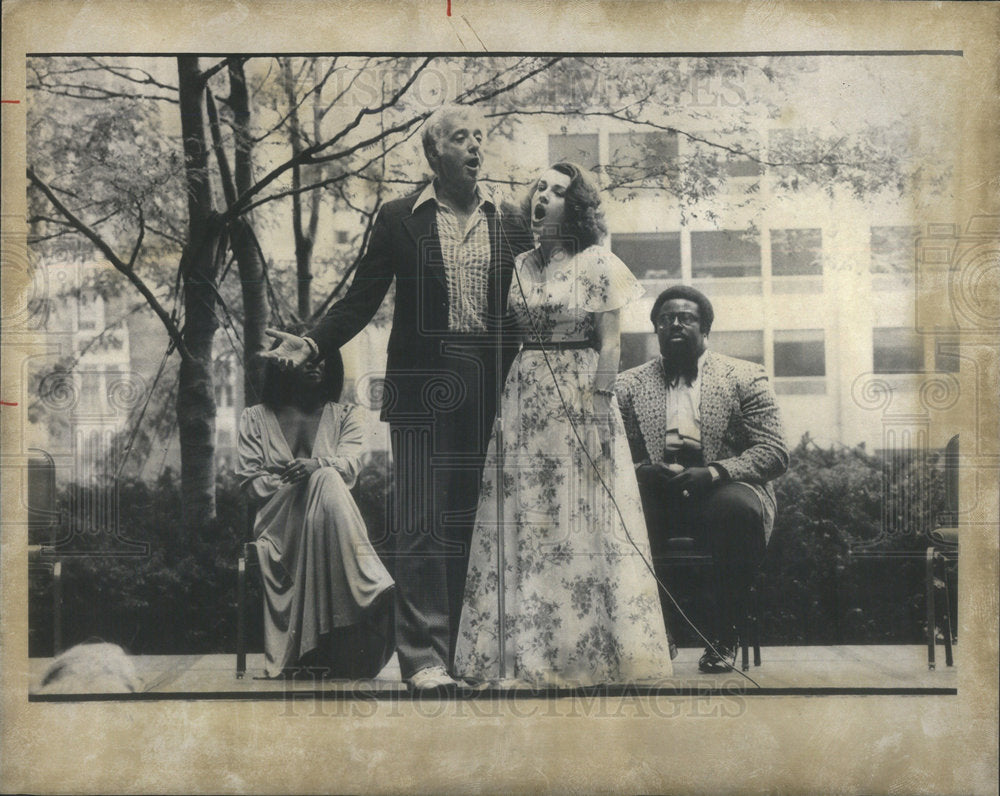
584	224
281	388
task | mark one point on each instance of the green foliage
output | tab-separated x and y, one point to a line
841	567
845	562
179	597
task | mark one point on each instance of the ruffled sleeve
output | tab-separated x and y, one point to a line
605	283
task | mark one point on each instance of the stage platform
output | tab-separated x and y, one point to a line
815	670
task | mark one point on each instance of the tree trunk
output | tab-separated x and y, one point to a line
199	271
303	241
249	260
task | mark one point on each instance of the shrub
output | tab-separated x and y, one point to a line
844	564
179	597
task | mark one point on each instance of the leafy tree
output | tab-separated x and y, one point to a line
168	172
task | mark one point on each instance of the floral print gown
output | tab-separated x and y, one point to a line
581	605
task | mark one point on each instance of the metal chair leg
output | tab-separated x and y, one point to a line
744	642
949	658
57	639
241	588
750	632
931	622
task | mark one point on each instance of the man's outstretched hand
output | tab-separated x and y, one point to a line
292	352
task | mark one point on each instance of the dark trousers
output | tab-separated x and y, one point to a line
438	455
728	523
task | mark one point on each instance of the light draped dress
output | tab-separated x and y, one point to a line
581	605
320	571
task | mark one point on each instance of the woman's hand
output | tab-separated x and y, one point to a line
298	470
602	420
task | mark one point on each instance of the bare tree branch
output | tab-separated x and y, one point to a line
548	64
228	187
309	155
122	72
173	238
280	123
204	78
113	258
97	93
138	241
337	178
824	160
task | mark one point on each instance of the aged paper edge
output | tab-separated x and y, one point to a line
793	744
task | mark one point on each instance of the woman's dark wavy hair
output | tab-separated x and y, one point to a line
584	224
279	388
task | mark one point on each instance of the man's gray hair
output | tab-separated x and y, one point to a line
431	133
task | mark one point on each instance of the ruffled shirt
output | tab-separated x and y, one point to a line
683	412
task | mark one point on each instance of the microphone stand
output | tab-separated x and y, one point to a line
498	447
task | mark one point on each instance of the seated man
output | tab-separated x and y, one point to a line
706	439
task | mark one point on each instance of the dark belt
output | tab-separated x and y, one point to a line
561	345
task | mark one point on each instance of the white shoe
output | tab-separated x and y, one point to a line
432	678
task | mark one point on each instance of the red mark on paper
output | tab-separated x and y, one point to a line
8	403
18	102
449	8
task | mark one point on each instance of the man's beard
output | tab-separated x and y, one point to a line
680	361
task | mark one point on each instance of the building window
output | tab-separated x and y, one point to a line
799	352
897	350
582	149
742	345
724	253
740	166
796	252
87	311
731	163
893	249
224	395
635	156
650	255
341	236
637	349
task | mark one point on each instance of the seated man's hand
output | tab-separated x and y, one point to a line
655	474
692	481
292	352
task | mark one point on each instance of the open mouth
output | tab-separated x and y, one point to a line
539	213
472	163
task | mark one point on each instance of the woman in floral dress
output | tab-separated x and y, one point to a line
581	605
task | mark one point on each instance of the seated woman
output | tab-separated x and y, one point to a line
326	592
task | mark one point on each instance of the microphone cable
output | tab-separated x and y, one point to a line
607	489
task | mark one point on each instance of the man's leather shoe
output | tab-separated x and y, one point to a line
718	660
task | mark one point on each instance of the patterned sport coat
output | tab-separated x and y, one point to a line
741	430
